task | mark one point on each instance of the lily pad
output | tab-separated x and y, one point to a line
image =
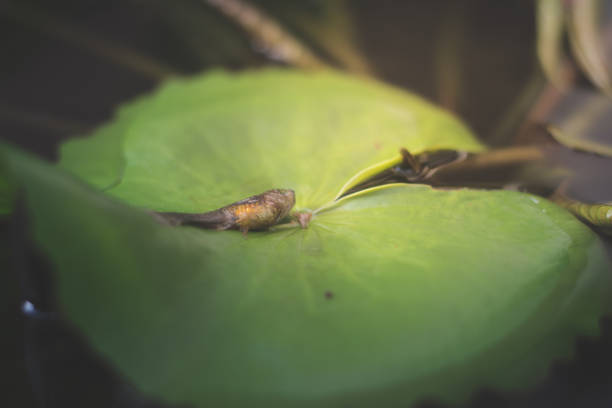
391	295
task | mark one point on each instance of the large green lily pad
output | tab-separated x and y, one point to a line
391	295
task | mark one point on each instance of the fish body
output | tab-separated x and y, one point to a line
258	212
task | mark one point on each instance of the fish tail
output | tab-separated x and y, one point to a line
211	220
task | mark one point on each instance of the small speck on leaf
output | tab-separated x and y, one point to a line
329	294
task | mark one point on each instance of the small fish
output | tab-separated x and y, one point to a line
258	212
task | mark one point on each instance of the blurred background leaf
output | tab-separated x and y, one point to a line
551	23
588	27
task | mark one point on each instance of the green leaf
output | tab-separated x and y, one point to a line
202	143
391	295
